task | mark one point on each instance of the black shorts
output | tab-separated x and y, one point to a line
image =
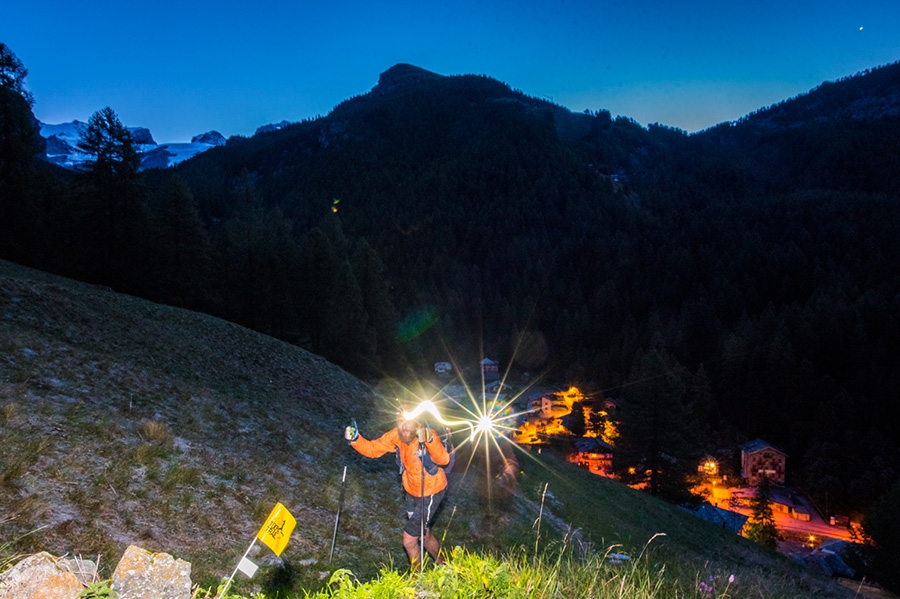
414	509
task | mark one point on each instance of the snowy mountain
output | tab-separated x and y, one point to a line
62	146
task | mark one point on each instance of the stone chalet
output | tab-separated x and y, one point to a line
758	459
548	406
490	370
593	454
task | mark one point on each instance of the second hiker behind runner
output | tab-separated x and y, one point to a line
422	458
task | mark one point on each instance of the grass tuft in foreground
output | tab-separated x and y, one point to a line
516	576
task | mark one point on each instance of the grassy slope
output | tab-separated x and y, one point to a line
688	549
250	421
124	421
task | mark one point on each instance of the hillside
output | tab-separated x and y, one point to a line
130	422
439	218
125	421
838	136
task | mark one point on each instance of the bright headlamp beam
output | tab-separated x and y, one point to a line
428	406
484	424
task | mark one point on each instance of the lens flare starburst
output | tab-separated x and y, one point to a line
480	423
484	425
484	415
489	421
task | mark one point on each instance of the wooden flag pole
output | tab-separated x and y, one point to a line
230	578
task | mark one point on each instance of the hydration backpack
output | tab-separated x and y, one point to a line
427	463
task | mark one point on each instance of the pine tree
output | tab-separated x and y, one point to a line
347	339
110	145
575	420
657	428
113	222
761	525
259	266
319	267
20	144
881	524
181	248
13	73
369	272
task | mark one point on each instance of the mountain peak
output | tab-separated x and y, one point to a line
62	146
213	138
403	74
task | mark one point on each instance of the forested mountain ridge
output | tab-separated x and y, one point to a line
574	242
841	135
437	217
872	94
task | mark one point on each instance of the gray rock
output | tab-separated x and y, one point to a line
84	570
40	576
142	574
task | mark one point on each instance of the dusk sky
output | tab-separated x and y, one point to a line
184	68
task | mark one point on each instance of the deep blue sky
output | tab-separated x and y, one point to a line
187	67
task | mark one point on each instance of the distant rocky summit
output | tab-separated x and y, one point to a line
403	74
62	146
142	136
213	138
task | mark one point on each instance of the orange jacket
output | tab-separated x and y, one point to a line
412	465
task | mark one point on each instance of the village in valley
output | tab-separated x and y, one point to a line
584	431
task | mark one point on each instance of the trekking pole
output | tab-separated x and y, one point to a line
422	504
337	517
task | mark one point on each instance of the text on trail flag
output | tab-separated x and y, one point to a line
277	529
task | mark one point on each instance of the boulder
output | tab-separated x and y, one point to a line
40	576
142	574
84	570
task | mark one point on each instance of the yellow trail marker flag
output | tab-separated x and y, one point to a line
277	529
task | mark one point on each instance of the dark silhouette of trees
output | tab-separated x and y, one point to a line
112	150
575	421
13	73
112	221
761	525
656	428
181	268
881	525
257	266
378	304
346	335
20	145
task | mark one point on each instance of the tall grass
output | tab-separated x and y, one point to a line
558	573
